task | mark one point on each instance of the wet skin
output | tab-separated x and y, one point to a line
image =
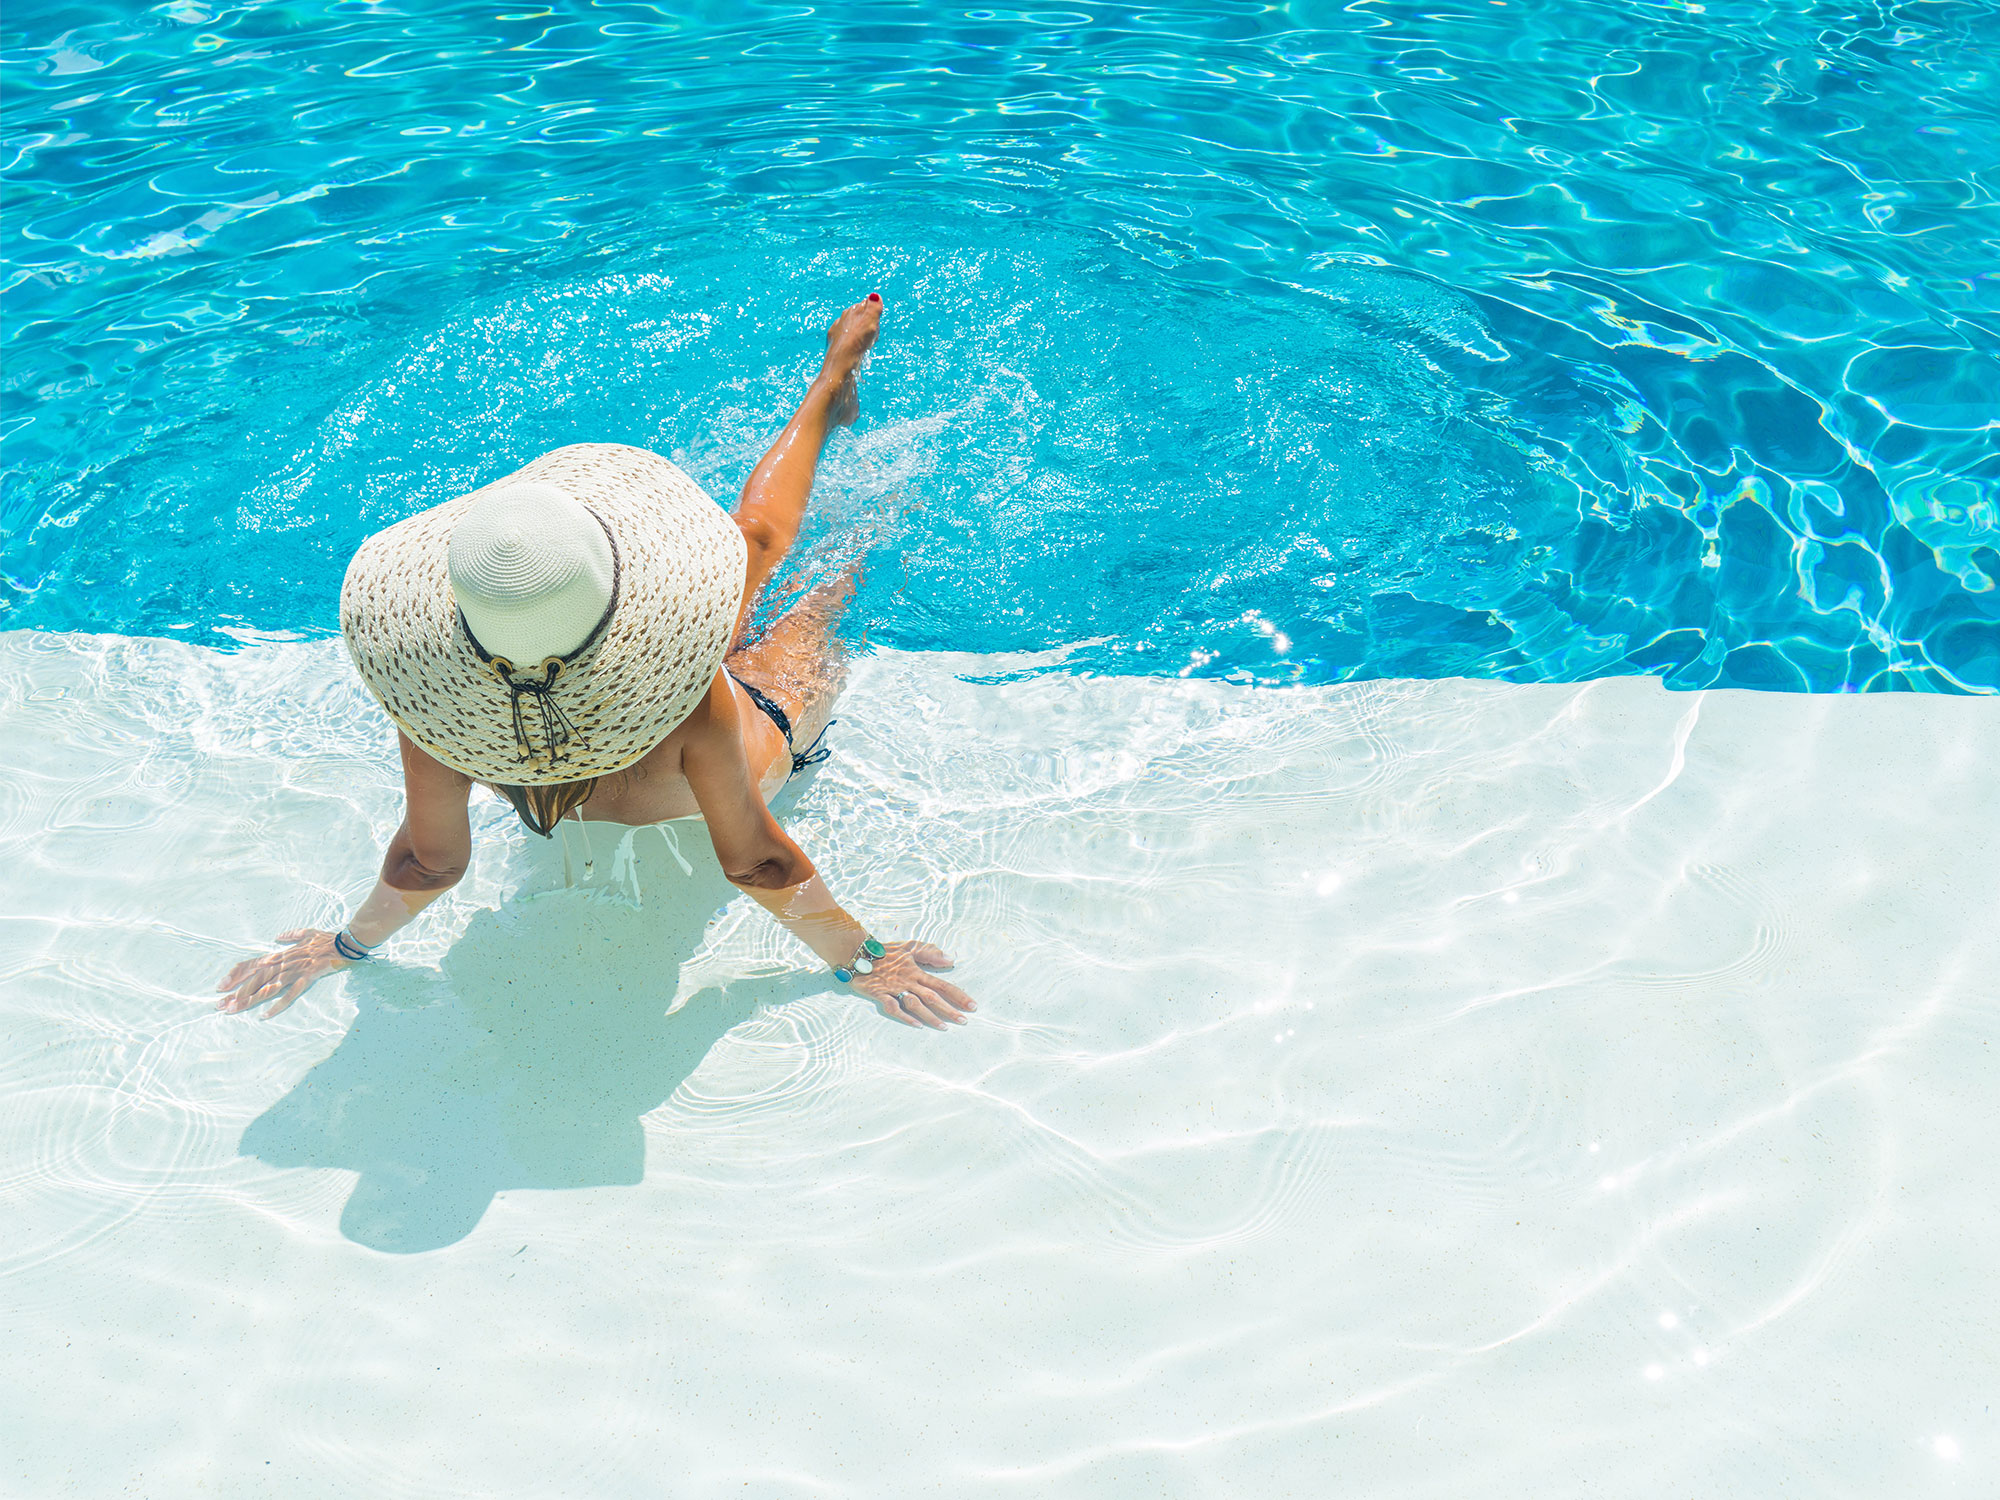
723	761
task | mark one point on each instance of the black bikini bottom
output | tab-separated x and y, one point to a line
813	754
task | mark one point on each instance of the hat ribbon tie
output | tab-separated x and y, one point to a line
557	730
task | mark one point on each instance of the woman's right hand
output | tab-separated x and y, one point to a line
282	976
905	987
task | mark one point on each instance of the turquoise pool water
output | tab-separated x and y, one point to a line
1277	344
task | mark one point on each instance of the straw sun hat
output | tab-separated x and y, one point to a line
553	626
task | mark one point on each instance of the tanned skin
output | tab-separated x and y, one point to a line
723	761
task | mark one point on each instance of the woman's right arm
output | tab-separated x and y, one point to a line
426	858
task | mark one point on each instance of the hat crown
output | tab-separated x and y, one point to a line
531	570
678	563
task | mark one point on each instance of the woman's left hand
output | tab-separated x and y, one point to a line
905	987
282	976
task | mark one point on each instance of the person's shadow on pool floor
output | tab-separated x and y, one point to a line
525	1061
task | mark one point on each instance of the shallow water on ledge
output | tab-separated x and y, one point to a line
1280	344
1462	1087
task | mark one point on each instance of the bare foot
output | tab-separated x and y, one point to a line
847	342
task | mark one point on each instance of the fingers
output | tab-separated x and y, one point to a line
952	995
927	1010
245	967
908	1006
245	987
935	1004
253	992
275	976
297	988
916	998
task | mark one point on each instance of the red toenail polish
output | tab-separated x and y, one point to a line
874	296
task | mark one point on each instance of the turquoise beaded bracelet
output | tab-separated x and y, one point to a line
863	962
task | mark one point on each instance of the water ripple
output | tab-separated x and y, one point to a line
1351	1061
1278	347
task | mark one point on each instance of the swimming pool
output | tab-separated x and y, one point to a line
1327	473
1272	345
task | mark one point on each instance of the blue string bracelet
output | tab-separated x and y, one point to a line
352	948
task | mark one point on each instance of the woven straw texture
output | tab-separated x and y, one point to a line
681	566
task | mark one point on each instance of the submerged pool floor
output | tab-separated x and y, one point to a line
1403	1088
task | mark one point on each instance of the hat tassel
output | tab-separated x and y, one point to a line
557	730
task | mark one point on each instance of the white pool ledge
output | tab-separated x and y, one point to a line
1401	1088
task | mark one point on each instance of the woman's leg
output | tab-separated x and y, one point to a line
799	661
775	495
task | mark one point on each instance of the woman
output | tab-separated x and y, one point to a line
574	636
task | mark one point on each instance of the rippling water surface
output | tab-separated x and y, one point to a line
1391	1089
1288	343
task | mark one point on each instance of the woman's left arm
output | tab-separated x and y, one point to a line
759	858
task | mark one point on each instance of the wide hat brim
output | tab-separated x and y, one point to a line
680	586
